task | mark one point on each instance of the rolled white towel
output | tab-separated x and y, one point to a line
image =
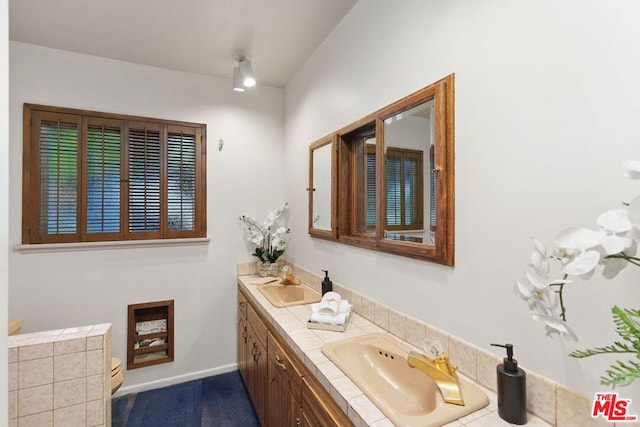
330	304
338	319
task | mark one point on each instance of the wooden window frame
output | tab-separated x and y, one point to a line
31	233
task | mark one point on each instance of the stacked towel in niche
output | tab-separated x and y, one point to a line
331	310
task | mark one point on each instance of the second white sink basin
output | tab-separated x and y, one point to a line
377	364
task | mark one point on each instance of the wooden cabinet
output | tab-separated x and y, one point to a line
282	390
285	378
256	363
243	335
318	409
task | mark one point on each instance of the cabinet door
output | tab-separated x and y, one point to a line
257	372
318	408
283	404
243	335
305	421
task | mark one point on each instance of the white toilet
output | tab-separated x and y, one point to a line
15	326
116	375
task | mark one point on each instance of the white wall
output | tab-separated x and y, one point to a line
546	96
57	290
4	204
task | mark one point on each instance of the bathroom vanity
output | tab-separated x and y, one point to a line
283	391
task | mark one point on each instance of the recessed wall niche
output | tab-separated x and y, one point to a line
150	334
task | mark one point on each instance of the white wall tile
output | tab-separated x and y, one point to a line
69	393
36	351
70	416
43	419
69	366
35	372
35	399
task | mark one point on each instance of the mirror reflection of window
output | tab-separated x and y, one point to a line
409	180
370	184
363	142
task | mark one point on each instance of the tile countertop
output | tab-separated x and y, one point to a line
290	322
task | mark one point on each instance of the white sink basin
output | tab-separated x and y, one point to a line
377	364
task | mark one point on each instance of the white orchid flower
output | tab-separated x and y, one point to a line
537	292
615	220
539	258
633	212
615	224
633	169
576	250
267	243
257	239
555	325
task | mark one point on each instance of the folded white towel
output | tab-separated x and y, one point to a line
330	304
338	319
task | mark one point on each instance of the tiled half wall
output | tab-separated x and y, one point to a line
61	377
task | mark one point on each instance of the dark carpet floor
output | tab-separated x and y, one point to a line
218	401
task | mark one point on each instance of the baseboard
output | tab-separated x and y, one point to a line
175	380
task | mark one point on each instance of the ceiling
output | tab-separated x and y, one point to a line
198	36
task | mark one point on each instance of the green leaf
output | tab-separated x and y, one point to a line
617	347
628	327
621	374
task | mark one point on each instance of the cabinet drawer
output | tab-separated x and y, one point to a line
257	324
242	304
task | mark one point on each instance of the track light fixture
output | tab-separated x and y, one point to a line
243	74
237	80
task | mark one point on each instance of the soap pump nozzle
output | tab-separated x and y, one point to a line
510	364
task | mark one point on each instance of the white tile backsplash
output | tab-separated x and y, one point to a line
549	403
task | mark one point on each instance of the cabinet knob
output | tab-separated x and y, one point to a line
242	303
280	363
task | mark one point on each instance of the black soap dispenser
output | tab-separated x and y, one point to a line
512	389
327	284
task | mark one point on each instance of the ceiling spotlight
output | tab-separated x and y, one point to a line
247	73
237	80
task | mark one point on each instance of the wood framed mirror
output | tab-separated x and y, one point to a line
416	177
322	188
392	178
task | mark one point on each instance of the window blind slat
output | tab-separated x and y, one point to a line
144	180
371	190
181	173
103	179
58	177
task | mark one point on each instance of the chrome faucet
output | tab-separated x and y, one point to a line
442	372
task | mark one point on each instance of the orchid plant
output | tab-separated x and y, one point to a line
579	253
269	237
